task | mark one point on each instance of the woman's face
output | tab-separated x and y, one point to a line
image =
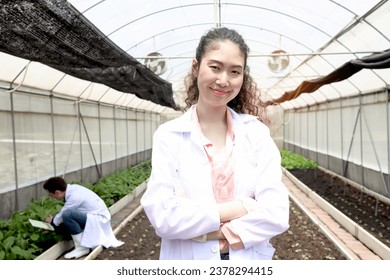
220	74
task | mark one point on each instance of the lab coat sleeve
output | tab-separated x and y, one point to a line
72	202
271	215
170	211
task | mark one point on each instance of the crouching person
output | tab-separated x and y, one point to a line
84	215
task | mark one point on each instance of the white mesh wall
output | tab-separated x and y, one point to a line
51	138
7	170
141	131
322	140
312	131
121	133
375	137
351	141
107	133
132	132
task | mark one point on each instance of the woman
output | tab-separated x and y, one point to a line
215	191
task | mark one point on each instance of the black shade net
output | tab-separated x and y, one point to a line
54	33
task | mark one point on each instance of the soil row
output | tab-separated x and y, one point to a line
363	209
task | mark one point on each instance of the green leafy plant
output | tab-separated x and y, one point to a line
19	240
115	186
294	161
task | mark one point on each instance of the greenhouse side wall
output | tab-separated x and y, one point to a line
43	136
349	136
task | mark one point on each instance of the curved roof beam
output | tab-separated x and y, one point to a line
93	6
157	12
335	38
281	13
226	23
363	18
164	32
211	4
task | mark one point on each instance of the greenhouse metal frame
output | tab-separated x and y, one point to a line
78	98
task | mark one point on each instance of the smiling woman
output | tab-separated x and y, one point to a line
235	201
88	87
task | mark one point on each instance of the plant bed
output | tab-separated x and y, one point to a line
302	241
358	206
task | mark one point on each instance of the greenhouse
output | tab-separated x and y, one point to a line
84	84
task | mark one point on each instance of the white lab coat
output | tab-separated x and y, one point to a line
179	199
98	229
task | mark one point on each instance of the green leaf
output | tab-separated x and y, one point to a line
34	237
22	253
9	242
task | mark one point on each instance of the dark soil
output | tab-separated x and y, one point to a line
303	240
365	210
141	242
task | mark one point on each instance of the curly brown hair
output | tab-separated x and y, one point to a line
248	99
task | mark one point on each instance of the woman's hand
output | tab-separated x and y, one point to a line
237	208
223	246
215	235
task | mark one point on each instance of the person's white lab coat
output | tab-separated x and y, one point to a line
179	199
97	229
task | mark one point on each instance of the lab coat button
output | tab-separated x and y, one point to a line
214	249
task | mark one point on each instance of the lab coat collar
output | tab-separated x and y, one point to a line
184	123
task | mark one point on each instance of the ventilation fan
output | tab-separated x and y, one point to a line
278	63
156	64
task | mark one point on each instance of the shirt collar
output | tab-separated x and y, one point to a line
184	122
230	126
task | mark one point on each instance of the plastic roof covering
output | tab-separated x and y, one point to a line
318	37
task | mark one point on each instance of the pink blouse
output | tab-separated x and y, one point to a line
222	173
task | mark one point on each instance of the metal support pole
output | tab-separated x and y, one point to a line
300	131
284	130
115	140
388	138
307	132
151	127
144	131
217	13
361	139
15	154
136	135
90	146
294	133
351	142
341	134
53	134
316	138
127	137
81	143
100	140
375	153
327	135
